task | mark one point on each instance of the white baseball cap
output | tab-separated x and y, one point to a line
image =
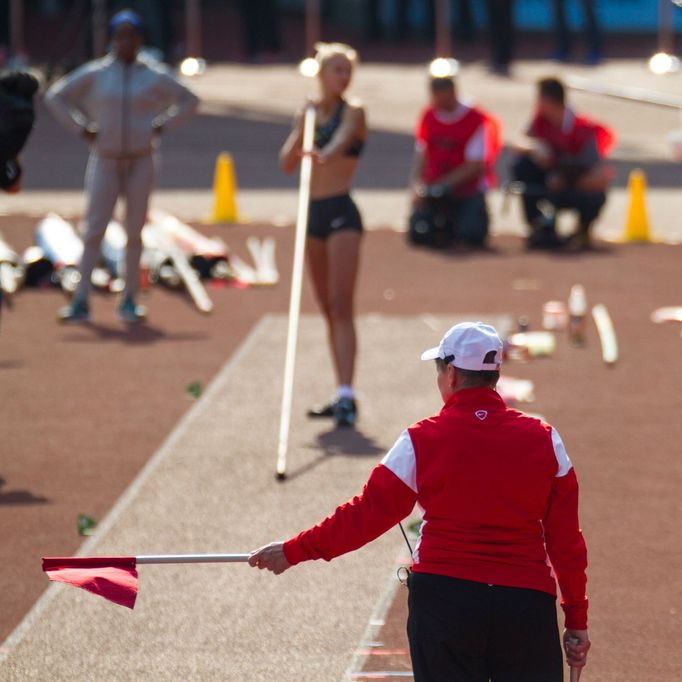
465	346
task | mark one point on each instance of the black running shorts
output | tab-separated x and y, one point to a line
331	215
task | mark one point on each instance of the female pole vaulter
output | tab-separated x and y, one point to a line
335	225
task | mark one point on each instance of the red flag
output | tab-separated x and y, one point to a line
114	578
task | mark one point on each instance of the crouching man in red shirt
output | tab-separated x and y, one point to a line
500	501
561	164
456	145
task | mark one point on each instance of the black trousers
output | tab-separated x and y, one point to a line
587	204
562	31
260	19
462	631
502	31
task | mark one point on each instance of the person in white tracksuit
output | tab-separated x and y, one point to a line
120	104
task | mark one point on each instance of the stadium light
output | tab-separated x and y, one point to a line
309	67
444	68
662	63
192	66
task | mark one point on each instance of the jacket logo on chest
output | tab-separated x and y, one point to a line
481	414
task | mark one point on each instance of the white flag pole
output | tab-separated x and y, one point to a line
296	286
191	558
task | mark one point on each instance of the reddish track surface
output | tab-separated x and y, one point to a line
85	407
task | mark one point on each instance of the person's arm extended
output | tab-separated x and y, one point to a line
566	548
417	186
64	99
353	126
568	555
388	497
182	103
596	179
523	144
417	167
462	174
587	171
290	154
384	501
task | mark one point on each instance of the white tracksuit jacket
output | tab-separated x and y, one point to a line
126	105
123	103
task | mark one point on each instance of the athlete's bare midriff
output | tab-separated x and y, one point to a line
333	178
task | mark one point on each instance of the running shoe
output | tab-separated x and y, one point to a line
345	412
77	311
323	411
129	311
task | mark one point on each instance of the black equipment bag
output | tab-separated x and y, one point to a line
17	114
431	224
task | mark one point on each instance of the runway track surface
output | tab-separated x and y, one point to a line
85	408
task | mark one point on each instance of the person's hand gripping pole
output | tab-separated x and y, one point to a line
576	645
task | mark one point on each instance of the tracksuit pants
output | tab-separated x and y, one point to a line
105	180
463	631
502	31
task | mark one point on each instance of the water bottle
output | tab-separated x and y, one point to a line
577	315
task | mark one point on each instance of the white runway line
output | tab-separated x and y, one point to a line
431	322
375	623
108	522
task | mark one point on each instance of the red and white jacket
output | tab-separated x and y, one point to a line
500	501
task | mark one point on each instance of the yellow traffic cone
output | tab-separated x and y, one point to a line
224	190
637	222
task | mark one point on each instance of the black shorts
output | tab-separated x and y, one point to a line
463	631
333	214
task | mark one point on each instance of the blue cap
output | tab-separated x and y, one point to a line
126	16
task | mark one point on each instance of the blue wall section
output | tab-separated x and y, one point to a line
614	15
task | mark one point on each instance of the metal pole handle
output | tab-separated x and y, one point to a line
191	558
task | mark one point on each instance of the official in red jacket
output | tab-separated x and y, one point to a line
561	163
500	501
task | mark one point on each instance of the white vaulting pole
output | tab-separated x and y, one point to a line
191	558
607	334
296	286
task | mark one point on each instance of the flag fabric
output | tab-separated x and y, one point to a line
114	578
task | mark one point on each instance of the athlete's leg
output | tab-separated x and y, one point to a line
318	269
102	186
344	256
139	182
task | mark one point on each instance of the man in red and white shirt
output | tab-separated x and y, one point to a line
500	501
456	145
562	164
